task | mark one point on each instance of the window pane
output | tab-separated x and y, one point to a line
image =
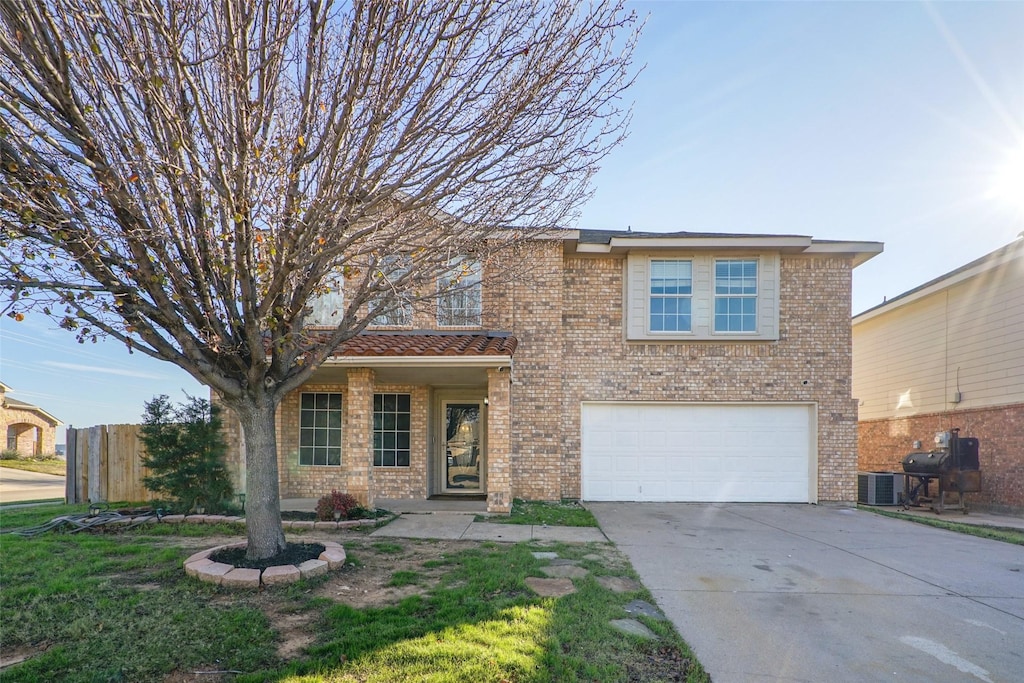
402	459
378	402
320	432
391	428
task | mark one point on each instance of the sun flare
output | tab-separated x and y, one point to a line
1008	180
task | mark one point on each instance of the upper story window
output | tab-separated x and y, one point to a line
736	295
320	429
671	295
702	296
395	311
459	299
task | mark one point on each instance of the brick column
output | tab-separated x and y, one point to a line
357	456
499	430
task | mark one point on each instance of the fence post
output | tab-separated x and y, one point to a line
71	465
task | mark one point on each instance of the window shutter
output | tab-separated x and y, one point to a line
636	296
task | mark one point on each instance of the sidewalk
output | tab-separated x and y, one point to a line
973	518
459	526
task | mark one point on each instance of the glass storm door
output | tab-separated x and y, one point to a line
463	446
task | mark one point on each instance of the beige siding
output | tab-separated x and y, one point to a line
968	337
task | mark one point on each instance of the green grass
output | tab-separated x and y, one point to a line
997	533
43	465
75	600
117	607
566	513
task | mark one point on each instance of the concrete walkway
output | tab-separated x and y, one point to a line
460	526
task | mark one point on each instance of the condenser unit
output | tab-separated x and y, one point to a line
879	488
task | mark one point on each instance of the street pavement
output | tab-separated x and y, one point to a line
19	485
821	593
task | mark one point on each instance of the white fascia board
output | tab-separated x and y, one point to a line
795	243
936	286
419	361
861	251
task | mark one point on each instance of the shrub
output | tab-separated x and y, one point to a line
343	502
10	454
185	454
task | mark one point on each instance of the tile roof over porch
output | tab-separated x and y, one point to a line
428	344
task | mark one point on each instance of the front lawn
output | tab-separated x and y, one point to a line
117	607
566	513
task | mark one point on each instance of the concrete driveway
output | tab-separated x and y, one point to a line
19	485
819	593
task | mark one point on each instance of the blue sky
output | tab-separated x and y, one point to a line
860	121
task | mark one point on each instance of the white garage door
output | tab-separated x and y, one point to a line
698	452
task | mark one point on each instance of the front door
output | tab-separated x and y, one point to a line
463	446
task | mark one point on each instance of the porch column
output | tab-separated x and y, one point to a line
357	457
499	431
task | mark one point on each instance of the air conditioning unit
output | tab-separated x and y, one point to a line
879	488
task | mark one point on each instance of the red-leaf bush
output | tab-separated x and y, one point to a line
344	503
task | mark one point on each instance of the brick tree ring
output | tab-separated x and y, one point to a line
203	568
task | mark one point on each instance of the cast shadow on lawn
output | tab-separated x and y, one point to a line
483	624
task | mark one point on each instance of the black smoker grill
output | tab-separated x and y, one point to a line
954	464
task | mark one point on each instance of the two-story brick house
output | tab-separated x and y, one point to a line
621	366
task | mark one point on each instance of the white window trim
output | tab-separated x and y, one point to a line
637	296
715	296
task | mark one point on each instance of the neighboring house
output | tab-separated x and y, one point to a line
30	430
947	354
621	366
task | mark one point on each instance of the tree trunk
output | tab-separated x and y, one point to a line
262	492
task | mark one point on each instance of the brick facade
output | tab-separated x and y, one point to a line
883	443
26	429
567	312
810	362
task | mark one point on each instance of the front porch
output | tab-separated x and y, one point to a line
403	418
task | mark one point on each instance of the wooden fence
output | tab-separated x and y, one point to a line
105	464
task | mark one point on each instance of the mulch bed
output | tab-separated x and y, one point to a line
295	553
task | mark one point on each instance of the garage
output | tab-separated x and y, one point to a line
699	452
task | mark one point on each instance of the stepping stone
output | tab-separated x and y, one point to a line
633	627
619	584
545	555
563	563
565	572
550	588
646	609
593	557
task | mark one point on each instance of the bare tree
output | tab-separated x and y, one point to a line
186	176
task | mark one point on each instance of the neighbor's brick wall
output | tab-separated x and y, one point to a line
28	425
884	442
814	345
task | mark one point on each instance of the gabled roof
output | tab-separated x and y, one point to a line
618	241
21	405
1010	252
